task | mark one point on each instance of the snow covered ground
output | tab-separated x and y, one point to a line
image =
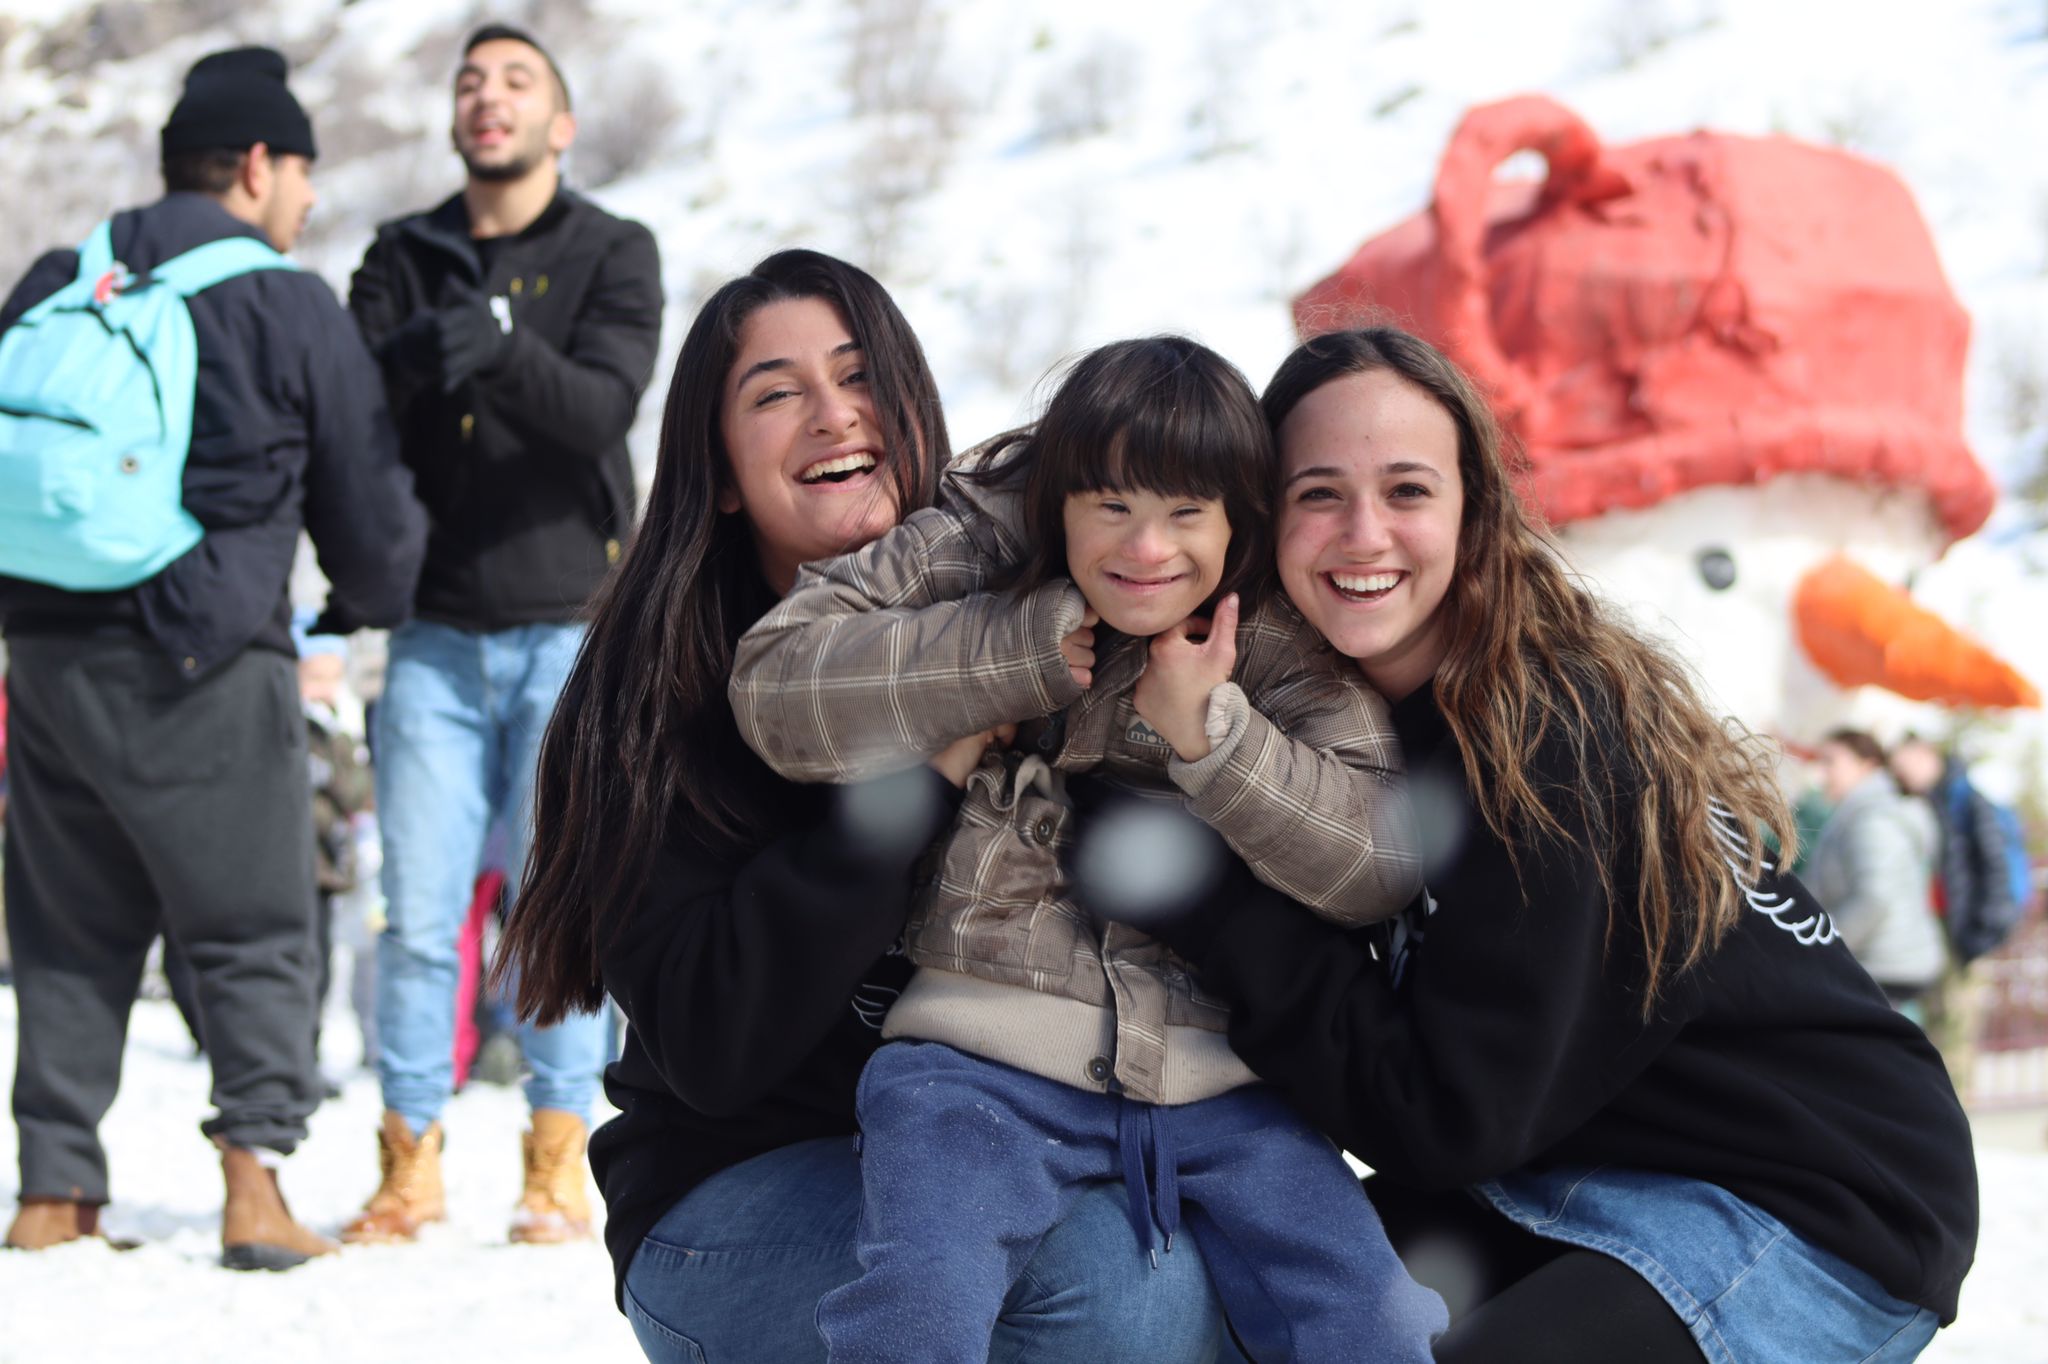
465	1294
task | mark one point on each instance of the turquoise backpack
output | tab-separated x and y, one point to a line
96	385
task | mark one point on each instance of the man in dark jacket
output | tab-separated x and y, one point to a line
1977	898
516	325
1977	891
159	761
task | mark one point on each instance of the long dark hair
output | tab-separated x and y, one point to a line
1160	414
1531	658
642	738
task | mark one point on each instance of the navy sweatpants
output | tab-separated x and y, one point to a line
966	1163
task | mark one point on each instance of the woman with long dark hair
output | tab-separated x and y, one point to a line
1627	1093
745	923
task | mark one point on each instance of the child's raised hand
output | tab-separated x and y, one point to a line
1078	648
1187	663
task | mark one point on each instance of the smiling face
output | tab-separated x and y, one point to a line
1143	560
804	454
1370	505
509	116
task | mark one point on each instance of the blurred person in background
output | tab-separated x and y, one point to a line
157	751
1983	884
338	763
1873	867
1983	869
516	325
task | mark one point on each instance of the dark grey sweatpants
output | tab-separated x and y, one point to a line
142	802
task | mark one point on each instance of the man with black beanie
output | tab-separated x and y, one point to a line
157	755
516	325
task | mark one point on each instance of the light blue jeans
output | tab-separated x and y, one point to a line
1750	1289
733	1273
457	736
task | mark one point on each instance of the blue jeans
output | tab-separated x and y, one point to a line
733	1273
457	737
1749	1289
965	1164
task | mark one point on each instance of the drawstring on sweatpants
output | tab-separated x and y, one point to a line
1154	1200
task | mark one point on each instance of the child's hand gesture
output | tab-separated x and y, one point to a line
956	761
1187	663
1078	648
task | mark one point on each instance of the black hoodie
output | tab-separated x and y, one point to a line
754	987
1500	1026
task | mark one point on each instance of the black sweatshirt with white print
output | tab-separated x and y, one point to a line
1500	1026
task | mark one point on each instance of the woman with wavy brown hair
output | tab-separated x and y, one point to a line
1627	1094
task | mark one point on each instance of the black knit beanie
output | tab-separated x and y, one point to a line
491	33
235	99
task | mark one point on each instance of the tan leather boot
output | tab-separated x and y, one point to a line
46	1222
556	1204
257	1231
410	1194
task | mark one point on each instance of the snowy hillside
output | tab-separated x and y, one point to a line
1036	176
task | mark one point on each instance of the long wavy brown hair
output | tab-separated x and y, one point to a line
642	741
1534	659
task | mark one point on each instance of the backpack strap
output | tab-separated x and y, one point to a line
1959	803
205	266
96	253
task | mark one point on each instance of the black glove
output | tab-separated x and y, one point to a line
414	349
469	340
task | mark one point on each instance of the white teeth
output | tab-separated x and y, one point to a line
845	464
1364	582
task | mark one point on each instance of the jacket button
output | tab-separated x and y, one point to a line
468	425
1042	831
611	551
190	664
1099	1069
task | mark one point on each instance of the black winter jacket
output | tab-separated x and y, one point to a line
1500	1028
289	429
754	988
523	467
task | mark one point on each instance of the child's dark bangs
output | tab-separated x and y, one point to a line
1175	450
